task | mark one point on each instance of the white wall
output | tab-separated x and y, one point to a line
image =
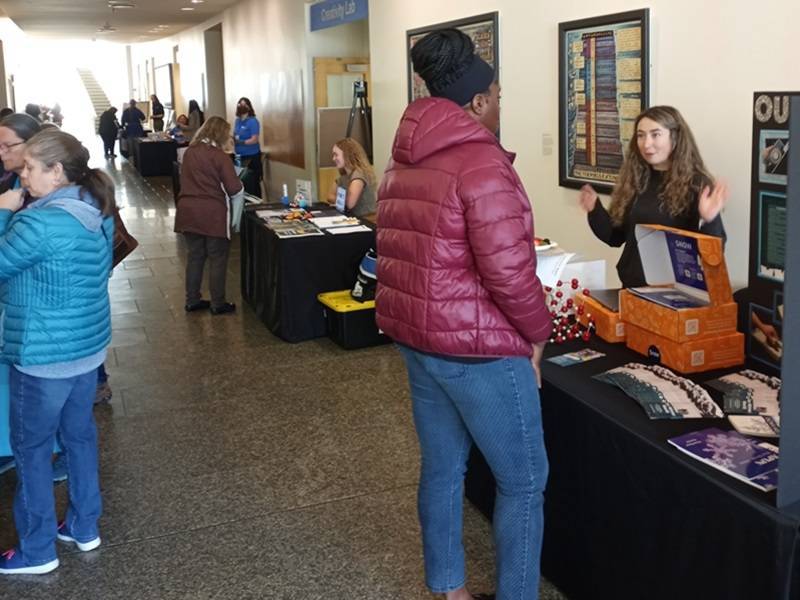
707	59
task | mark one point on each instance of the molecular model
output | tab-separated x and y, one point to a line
565	313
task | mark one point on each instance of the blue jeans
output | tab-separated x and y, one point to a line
39	408
494	404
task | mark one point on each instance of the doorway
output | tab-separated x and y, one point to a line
333	88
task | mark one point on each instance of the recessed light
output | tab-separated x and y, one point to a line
187	8
197	1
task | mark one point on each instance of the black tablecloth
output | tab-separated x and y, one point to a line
282	277
629	516
153	158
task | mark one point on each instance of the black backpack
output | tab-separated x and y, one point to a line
366	280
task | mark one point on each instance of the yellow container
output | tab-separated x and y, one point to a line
343	302
351	324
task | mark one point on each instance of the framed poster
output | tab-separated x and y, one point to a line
603	86
482	29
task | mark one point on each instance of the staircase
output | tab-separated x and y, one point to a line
98	97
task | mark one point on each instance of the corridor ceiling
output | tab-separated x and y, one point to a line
86	19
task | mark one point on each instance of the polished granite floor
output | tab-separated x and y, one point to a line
235	465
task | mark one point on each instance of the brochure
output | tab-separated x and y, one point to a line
755	425
669	297
329	222
749	393
349	229
661	393
294	229
751	461
574	358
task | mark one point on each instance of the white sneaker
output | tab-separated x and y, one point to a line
65	535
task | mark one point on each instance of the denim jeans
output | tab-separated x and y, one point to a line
39	408
494	404
199	248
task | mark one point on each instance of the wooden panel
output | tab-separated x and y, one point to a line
332	66
331	127
327	177
283	122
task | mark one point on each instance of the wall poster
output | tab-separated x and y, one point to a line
603	86
482	29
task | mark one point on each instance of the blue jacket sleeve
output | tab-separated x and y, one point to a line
23	243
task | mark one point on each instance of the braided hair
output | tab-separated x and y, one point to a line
442	57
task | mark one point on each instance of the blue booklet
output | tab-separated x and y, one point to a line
752	461
669	297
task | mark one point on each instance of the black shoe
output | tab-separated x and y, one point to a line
225	307
483	596
199	305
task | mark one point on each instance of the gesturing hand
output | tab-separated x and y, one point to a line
11	200
587	198
712	201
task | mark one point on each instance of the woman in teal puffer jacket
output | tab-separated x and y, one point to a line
55	258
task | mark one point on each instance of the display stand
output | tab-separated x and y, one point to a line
789	474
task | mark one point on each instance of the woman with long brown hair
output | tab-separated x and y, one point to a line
663	181
354	189
203	213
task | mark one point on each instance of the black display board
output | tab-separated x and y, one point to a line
768	228
789	474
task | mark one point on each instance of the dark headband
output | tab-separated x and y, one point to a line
475	80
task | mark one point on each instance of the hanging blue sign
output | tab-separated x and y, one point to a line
337	12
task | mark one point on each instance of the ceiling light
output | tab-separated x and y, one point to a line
187	8
121	4
197	1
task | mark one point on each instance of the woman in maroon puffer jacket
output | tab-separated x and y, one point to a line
458	291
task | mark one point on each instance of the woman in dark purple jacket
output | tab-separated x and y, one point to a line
458	291
203	213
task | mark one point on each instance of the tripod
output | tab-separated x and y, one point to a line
361	106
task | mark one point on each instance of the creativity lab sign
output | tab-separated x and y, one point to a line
337	12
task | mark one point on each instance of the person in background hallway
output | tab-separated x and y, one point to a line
15	130
356	182
108	130
664	181
34	110
132	119
246	131
156	113
54	372
458	291
56	116
196	120
203	213
4	112
176	133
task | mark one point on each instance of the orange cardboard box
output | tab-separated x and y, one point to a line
679	325
704	354
608	324
689	265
